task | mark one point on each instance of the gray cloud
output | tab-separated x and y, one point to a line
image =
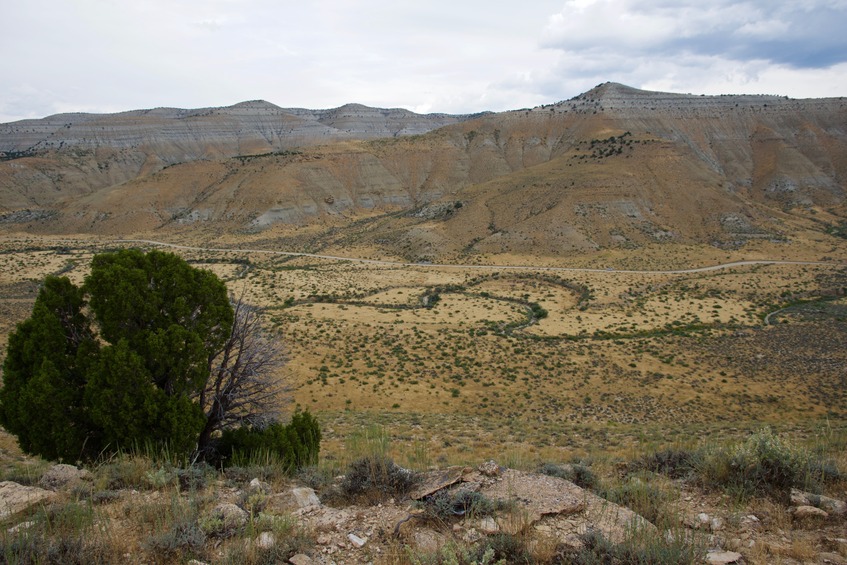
804	35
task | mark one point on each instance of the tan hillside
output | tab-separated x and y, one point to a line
614	167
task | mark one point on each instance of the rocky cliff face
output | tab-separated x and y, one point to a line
615	166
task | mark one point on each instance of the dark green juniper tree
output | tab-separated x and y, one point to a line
149	349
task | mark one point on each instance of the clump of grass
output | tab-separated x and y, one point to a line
171	528
59	533
639	547
376	479
25	472
577	473
765	464
675	463
372	441
183	538
289	538
126	472
455	554
641	495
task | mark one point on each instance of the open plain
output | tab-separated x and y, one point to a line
470	362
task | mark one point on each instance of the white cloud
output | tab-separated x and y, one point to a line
434	56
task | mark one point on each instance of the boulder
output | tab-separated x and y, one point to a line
291	500
305	496
15	498
231	516
435	481
489	469
61	476
809	513
830	505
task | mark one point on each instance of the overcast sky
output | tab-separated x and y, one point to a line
457	56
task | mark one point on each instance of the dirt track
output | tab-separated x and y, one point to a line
498	267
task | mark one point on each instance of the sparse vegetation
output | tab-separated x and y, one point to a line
454	388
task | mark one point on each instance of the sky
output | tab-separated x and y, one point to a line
459	56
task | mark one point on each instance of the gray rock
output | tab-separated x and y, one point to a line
61	475
490	469
266	540
488	526
356	540
536	495
259	486
301	559
831	558
830	505
434	481
305	496
23	526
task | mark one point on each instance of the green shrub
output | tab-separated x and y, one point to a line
293	446
183	538
454	554
764	465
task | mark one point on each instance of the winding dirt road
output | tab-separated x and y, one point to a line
488	267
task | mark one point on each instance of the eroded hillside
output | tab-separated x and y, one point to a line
612	168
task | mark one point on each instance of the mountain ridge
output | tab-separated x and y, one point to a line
612	167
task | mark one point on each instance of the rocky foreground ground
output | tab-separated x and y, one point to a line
441	518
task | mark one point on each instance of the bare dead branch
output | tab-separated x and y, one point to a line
242	388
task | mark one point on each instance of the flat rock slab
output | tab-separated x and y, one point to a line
435	481
15	498
536	495
722	557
